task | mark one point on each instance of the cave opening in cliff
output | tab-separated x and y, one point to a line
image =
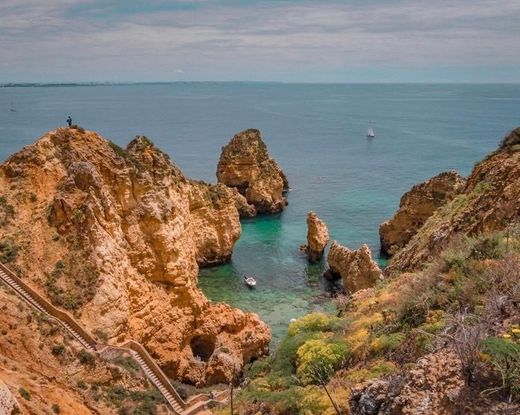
203	346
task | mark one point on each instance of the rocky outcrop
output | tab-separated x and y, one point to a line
416	206
117	236
317	237
357	268
245	165
490	201
431	388
8	403
214	211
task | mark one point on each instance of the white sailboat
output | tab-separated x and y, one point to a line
370	132
13	108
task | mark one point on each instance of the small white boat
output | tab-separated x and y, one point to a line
370	132
250	281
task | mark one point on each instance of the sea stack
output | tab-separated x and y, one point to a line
245	164
416	206
317	237
356	268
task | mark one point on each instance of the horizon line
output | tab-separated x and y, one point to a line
123	83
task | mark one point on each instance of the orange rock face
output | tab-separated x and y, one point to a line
489	201
117	236
431	388
317	237
416	206
41	370
357	268
245	165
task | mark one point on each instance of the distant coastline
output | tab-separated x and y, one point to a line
86	84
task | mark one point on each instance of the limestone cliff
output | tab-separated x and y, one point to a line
416	206
489	201
317	237
357	268
116	236
245	165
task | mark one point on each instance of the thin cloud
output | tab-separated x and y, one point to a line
294	40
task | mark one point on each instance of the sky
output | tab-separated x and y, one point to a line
253	40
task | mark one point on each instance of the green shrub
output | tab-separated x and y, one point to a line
489	247
147	400
120	152
387	342
505	357
127	363
56	408
85	358
412	315
58	349
115	395
285	401
315	322
319	358
457	260
8	251
284	359
258	367
6	211
24	393
101	335
71	284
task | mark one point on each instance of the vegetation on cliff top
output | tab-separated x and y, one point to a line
455	288
467	300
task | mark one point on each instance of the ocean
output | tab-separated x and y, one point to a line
316	132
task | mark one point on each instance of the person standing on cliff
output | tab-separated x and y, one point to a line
69	121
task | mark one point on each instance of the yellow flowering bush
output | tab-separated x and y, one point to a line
314	322
319	358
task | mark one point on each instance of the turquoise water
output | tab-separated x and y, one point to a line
317	134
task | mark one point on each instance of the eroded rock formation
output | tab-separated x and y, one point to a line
116	236
317	237
245	165
489	201
357	268
431	388
416	206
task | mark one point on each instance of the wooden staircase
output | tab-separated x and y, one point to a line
195	405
